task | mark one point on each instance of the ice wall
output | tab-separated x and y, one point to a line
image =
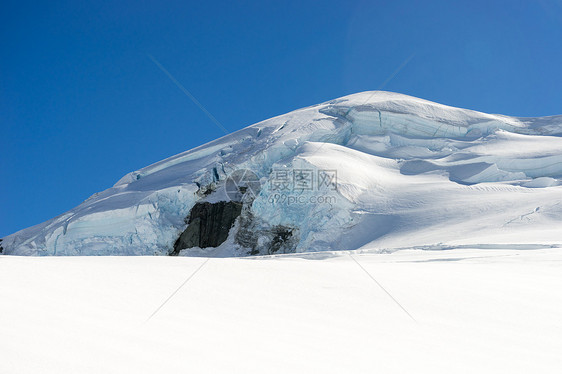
397	158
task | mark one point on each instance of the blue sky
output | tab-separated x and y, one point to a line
82	104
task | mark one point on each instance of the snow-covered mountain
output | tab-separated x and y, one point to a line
375	169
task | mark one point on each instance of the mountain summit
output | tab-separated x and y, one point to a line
374	170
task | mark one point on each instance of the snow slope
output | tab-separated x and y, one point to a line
409	173
474	311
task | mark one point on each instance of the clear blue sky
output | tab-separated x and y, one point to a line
81	104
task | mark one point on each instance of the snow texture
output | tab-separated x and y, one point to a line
409	173
474	310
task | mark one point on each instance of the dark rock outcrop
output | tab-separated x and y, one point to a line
282	235
205	190
262	239
208	225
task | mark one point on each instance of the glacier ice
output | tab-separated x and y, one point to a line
409	172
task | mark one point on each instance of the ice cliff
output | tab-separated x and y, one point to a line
375	169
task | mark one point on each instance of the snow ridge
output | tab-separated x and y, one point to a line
408	172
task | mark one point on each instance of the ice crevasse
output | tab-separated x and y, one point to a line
404	172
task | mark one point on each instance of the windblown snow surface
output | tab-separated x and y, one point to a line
410	173
472	311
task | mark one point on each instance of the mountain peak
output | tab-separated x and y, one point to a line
376	168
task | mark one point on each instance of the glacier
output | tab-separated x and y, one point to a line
407	173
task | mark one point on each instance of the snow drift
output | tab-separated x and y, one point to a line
375	168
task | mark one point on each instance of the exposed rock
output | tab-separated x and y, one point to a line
208	225
1	248
205	190
262	239
281	237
